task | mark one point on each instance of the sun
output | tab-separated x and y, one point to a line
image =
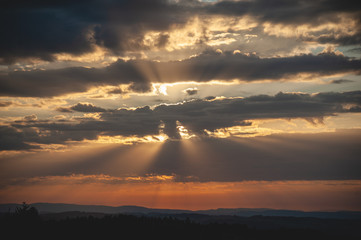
163	89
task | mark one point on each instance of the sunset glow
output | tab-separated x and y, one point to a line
181	104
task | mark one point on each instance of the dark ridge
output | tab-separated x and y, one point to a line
80	225
241	212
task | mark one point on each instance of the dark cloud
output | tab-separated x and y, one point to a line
141	73
275	157
286	12
142	86
210	98
196	115
24	137
115	91
42	29
227	66
41	32
5	103
87	107
191	91
295	13
31	117
64	109
337	38
199	115
355	50
13	139
81	107
47	83
162	40
340	81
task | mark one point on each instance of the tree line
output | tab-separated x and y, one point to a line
27	221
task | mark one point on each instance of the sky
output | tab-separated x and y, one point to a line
181	104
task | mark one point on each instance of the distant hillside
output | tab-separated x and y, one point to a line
62	207
247	212
136	210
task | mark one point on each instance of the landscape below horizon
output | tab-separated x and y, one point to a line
240	108
50	208
139	222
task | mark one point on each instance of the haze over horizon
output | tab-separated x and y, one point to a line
194	104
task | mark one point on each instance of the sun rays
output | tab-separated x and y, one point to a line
191	173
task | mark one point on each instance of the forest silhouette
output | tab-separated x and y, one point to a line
26	220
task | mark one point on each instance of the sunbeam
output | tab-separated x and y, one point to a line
197	104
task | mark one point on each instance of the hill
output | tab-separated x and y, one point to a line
136	210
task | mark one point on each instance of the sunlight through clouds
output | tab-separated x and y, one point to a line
191	104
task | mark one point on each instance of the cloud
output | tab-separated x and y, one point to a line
317	156
115	91
275	157
141	73
87	107
64	109
31	117
81	107
42	29
280	11
5	103
13	139
197	116
227	66
47	83
99	178
191	91
340	81
341	39
355	50
343	18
